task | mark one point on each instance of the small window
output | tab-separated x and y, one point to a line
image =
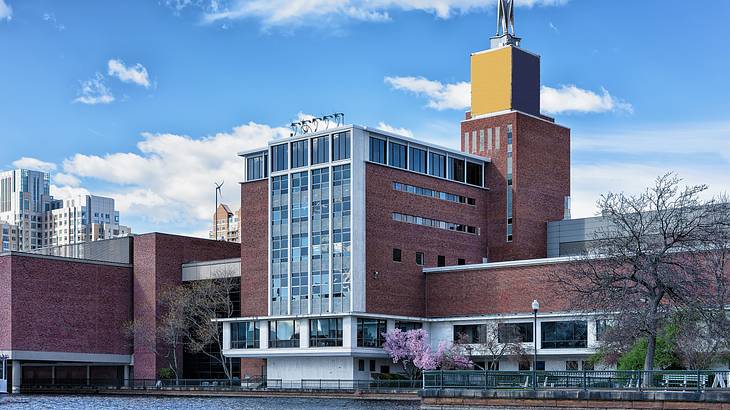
361	365
419	258
418	160
524	365
398	156
571	365
441	261
588	365
456	169
377	150
384	369
474	174
540	365
372	365
462	261
397	257
437	165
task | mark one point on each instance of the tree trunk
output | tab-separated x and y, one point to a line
649	360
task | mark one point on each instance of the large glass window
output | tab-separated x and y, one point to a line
279	244
470	333
255	167
244	335
444	196
299	243
341	238
456	169
434	223
564	335
279	157
377	150
406	326
437	165
320	150
283	333
418	160
320	240
474	174
325	332
398	157
299	154
514	332
341	146
370	332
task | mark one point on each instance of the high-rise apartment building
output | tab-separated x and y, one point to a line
226	224
34	219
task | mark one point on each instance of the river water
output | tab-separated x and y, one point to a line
197	403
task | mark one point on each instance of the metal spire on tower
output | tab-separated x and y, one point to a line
505	25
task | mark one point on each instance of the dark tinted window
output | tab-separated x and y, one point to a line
437	165
320	150
278	157
456	169
418	160
377	150
564	335
514	332
397	155
283	333
325	332
299	154
474	174
370	334
397	257
341	146
441	261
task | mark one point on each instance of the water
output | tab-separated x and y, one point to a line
196	403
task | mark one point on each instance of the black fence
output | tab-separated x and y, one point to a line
664	380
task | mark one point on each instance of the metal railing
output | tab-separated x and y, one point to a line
637	380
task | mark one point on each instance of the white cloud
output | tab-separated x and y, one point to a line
440	96
399	131
136	74
93	91
169	178
34	164
301	12
66	180
6	12
51	18
564	100
571	99
67	192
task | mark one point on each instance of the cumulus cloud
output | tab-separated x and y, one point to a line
564	100
67	192
395	130
66	180
136	74
440	96
569	98
299	12
34	164
94	91
6	12
169	178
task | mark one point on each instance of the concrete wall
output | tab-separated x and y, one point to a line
298	368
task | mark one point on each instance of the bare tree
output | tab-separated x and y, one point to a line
210	299
661	252
497	341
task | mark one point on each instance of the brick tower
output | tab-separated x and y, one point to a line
529	176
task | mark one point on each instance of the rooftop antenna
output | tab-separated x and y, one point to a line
215	213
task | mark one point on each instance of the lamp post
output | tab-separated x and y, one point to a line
535	308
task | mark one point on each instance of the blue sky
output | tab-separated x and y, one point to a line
148	101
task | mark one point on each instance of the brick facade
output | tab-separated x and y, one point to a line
58	305
399	286
541	181
254	249
158	259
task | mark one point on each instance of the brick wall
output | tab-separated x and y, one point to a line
66	306
158	260
254	249
5	306
493	291
399	287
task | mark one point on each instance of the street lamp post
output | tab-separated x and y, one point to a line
535	308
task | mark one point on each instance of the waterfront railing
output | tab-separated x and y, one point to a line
637	380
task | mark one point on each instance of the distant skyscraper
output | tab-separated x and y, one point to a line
226	225
34	219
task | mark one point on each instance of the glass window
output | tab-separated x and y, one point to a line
283	333
474	174
441	261
470	333
397	255
320	150
514	332
406	326
437	165
419	258
418	160
564	335
299	155
341	146
398	157
370	332
279	157
571	365
601	327
255	168
361	365
377	150
456	169
461	261
325	332
244	335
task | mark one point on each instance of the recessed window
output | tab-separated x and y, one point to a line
514	332
462	261
437	165
372	365
441	261
564	335
571	365
370	334
406	326
474	174
244	335
456	169
361	365
377	150
397	255
398	157
283	333
325	332
418	160
384	369
419	258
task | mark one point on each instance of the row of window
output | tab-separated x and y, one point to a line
554	335
445	196
322	333
400	155
433	223
483	145
421	258
300	157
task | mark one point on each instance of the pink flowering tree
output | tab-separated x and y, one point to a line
413	352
